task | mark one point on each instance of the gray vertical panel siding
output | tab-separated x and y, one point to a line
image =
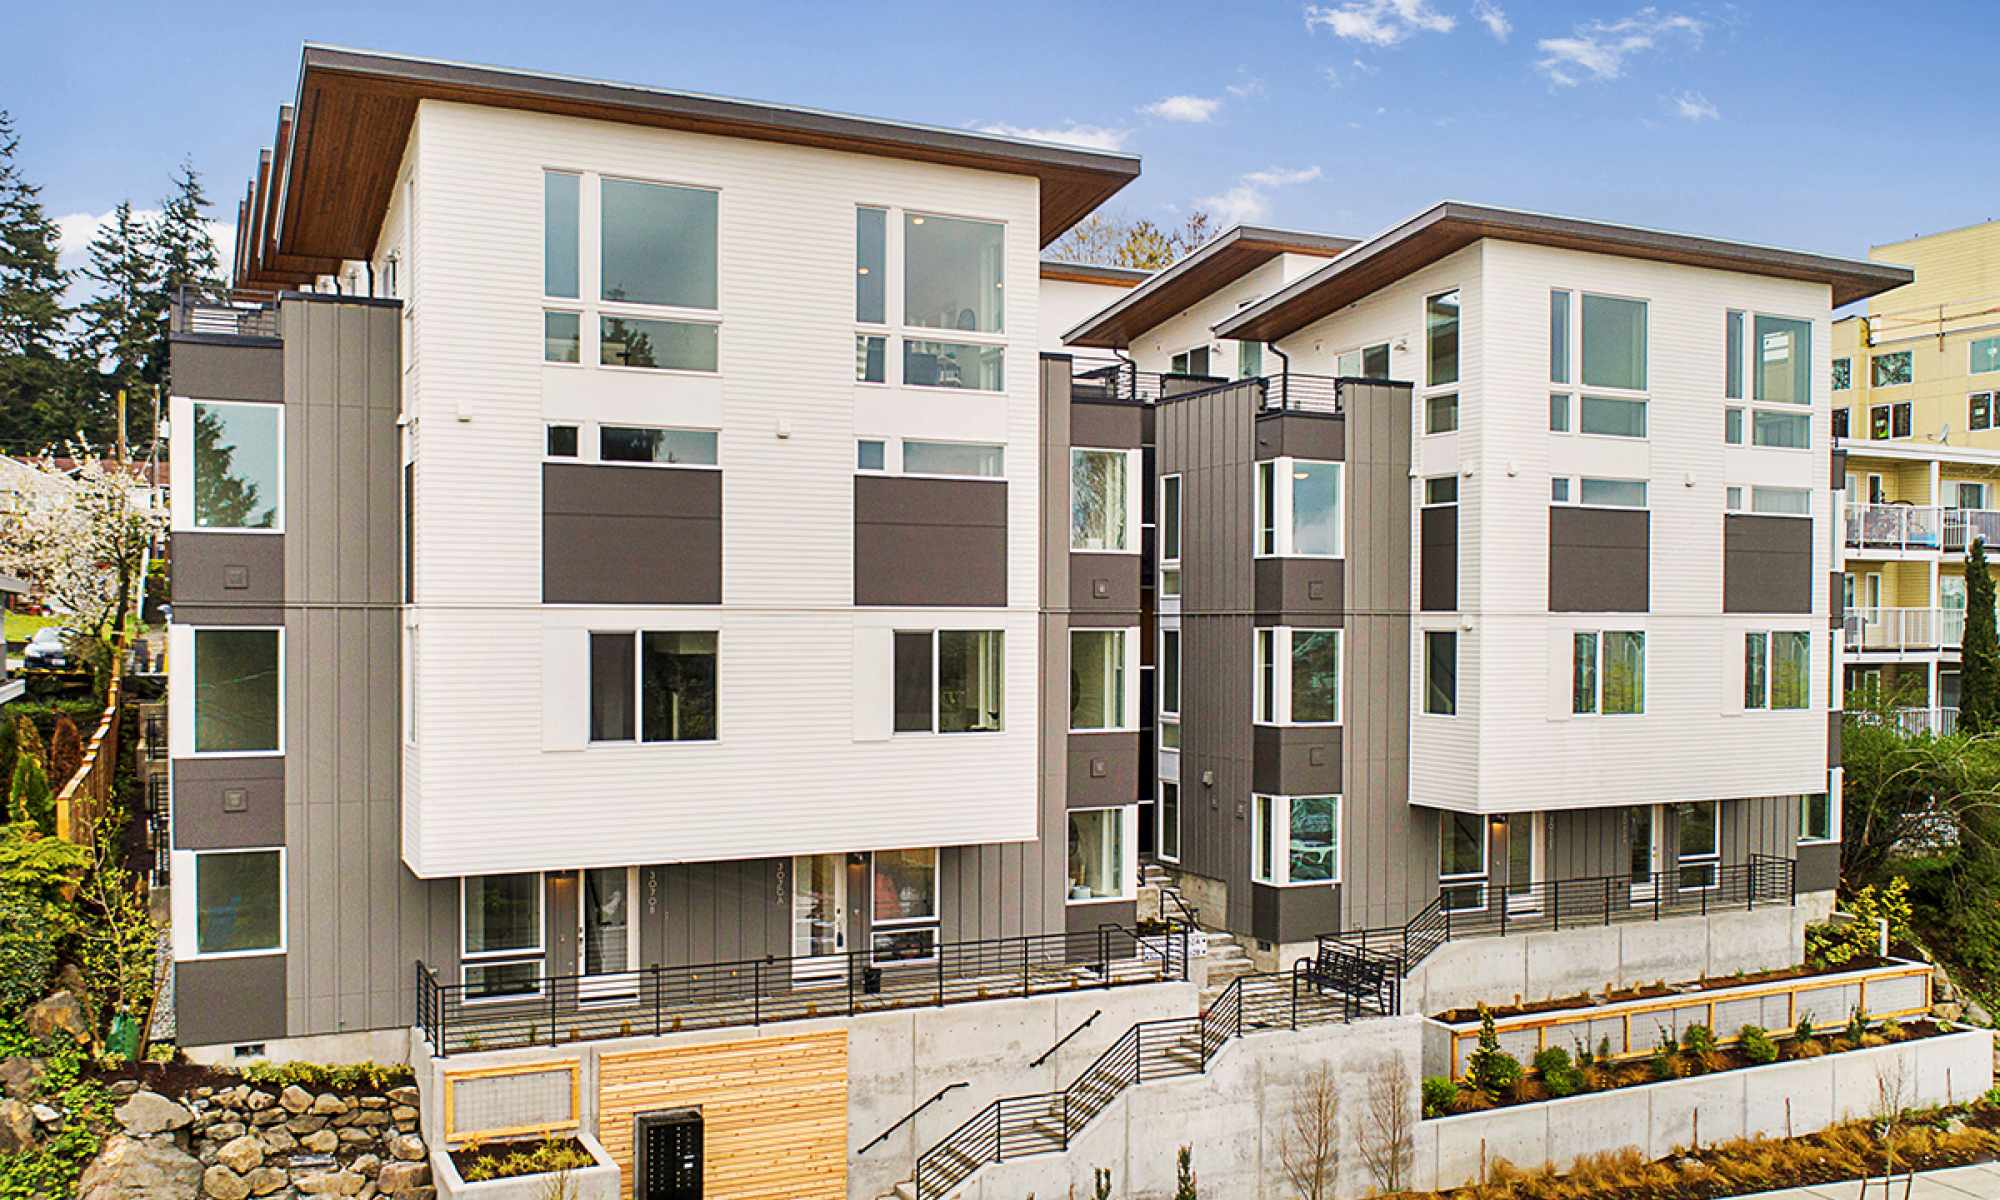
358	920
1586	843
1390	849
1044	865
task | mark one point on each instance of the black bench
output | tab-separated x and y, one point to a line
1349	972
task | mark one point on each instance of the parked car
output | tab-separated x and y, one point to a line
48	649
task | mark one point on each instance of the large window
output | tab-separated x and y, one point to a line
502	929
1983	355
239	901
1816	823
1612	416
972	366
1297	677
1097	866
658	244
1608	673
1784	361
904	905
1462	860
1097	691
1295	839
1889	370
1777	670
1614	343
1700	841
1300	508
238	691
1441	314
238	474
653	686
665	447
953	273
1440	672
950	681
656	345
1100	500
1170	689
1170	536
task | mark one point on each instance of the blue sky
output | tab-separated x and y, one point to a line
1738	120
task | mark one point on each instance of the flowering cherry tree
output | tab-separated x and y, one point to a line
79	537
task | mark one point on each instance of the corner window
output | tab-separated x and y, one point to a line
1983	355
1441	321
1608	673
1170	689
653	686
1461	860
238	466
664	447
1891	370
1300	509
1843	374
1100	500
501	924
1297	676
953	458
1097	851
1614	343
239	902
238	691
1440	672
1816	818
1295	840
1558	337
950	681
1170	536
561	205
1441	413
1610	416
658	244
656	345
562	337
1097	691
1700	841
903	905
953	273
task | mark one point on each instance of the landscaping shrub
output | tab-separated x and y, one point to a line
65	752
1701	1053
1493	1070
30	948
1857	1029
1803	1031
1559	1074
29	799
52	1168
339	1077
1757	1045
1440	1095
548	1155
1662	1062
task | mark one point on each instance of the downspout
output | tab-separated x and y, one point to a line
1284	375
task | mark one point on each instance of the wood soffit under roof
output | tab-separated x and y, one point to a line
338	158
1231	255
1451	226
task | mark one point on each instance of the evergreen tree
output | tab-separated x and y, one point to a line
29	798
1979	680
38	397
123	324
181	240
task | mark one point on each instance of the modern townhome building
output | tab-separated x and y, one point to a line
1915	381
1480	602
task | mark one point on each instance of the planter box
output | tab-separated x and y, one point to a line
599	1182
1771	1101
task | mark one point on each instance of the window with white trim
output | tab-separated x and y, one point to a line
1170	536
1168	839
1300	508
1297	676
1441	332
1441	672
1461	860
239	466
1190	362
950	681
1295	840
1102	499
1886	421
1892	370
1816	819
1170	688
239	688
1608	672
630	445
1099	699
1983	356
653	686
1365	362
656	305
1599	493
903	891
500	952
239	902
1777	669
1099	854
949	315
1699	836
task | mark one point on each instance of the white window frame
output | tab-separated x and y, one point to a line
1173	564
1129	645
1134	522
934	923
1710	862
1278	820
501	957
638	738
181	502
1160	821
590	301
1424	648
1833	814
590	444
1128	867
1463	880
1424	337
1747	404
1597	674
902	444
1971	365
1280	639
1206	349
879	441
185	903
1279	522
937	691
1171	716
194	633
894	329
1574	498
1909	354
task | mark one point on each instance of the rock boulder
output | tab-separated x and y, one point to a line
60	1014
150	1112
132	1169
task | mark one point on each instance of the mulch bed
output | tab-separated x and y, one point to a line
1653	991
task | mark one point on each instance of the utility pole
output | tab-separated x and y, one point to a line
121	425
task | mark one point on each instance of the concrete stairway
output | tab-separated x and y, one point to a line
1227	961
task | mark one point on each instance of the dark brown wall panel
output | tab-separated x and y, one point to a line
226	569
1818	868
1302	435
233	371
631	535
229	1000
1293	914
1438	571
1766	564
1295	760
1301	591
228	803
1106	584
1600	560
1103	769
1109	425
930	541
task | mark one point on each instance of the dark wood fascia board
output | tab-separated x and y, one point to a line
259	190
1098	273
353	112
1450	226
1230	256
282	141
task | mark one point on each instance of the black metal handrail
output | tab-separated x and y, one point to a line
1064	1039
1121	380
655	1000
907	1117
1189	913
217	311
1478	908
1293	392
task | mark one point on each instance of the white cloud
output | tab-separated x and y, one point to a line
1598	49
1379	22
1332	76
1490	15
1694	106
1093	137
1246	89
1250	199
74	232
1189	110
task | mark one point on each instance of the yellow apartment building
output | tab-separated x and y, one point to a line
1916	392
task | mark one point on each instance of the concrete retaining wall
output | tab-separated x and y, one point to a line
1234	1118
1656	1119
1542	965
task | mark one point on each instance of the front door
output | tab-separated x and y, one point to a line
607	938
819	916
1525	857
1644	848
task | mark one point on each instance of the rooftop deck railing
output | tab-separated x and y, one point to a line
218	311
549	1010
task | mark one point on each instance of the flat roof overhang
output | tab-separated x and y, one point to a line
1228	257
343	144
1452	225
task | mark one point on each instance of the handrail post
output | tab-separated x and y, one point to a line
552	1010
1607	899
1750	903
1024	965
757	991
1659	885
1556	902
659	1000
940	975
